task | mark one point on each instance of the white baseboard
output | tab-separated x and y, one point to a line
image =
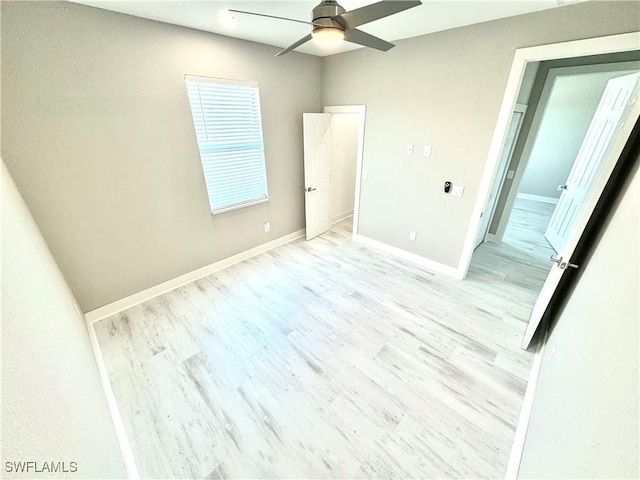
118	425
538	198
152	292
340	217
410	257
517	448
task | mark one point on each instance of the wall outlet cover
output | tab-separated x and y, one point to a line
457	191
409	149
427	151
412	236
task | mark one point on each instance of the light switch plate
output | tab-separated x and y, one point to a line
457	191
409	149
427	151
412	236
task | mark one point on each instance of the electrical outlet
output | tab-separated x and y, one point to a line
267	226
409	149
427	151
412	236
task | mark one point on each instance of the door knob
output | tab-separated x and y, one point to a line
562	265
556	260
309	189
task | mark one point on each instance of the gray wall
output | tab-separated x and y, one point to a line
444	89
97	133
584	422
53	406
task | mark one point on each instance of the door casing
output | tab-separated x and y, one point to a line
361	111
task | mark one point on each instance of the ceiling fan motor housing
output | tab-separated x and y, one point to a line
323	15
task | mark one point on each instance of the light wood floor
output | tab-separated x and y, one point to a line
326	359
527	224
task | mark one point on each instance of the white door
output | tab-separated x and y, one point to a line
501	172
620	131
589	159
317	137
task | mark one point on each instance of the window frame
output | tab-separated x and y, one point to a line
198	79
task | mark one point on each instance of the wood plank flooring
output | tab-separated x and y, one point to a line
527	224
326	359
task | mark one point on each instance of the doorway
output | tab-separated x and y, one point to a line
333	146
562	118
592	51
559	120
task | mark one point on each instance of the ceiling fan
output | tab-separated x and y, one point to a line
332	23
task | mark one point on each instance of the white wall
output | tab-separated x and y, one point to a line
585	418
98	135
572	102
345	128
443	89
53	405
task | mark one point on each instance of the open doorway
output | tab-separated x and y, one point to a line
539	174
562	103
332	154
613	49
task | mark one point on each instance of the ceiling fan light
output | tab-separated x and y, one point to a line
328	35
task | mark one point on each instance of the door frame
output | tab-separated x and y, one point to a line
578	48
501	174
361	111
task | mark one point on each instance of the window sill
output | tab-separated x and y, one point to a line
239	206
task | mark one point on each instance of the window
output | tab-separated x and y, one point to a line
226	117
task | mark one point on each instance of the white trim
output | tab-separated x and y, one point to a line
361	110
342	216
517	448
537	198
578	48
121	433
164	287
500	177
410	257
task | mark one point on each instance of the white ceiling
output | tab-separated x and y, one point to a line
431	16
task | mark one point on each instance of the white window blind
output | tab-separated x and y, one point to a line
226	117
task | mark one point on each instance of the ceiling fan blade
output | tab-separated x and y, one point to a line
294	45
375	11
366	40
270	16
